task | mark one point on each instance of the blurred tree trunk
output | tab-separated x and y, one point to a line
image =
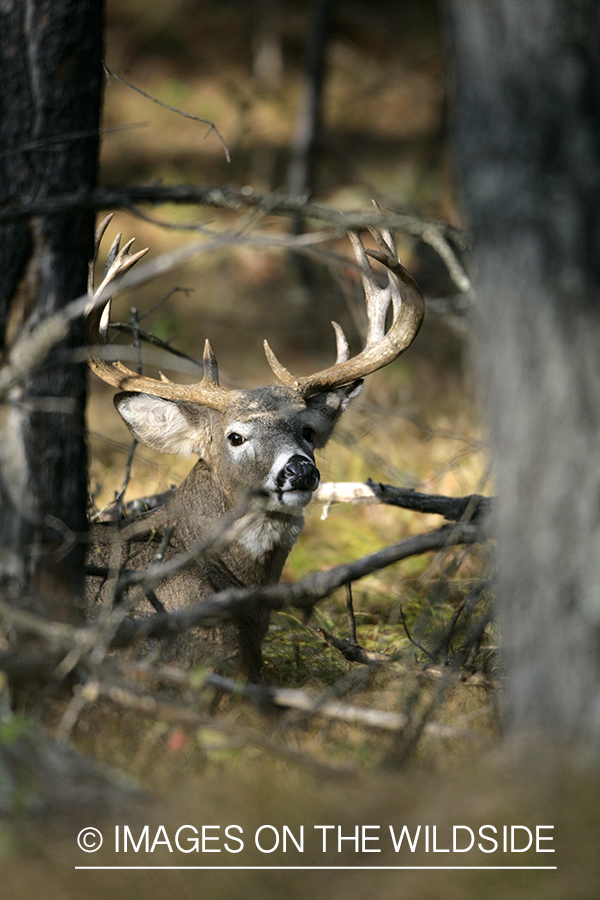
50	95
309	120
525	82
307	140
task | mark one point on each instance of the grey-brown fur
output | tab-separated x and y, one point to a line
277	423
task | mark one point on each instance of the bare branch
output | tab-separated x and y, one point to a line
442	237
353	652
149	704
282	698
291	698
472	508
225	605
302	594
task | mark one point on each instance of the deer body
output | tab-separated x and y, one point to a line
258	453
256	466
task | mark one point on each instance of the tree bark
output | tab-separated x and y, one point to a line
525	85
50	96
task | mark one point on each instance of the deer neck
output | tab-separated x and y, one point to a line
263	539
265	542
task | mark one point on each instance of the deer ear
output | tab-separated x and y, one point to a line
163	425
330	405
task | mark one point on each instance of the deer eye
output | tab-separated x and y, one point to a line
235	439
308	434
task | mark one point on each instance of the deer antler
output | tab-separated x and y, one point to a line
381	347
208	392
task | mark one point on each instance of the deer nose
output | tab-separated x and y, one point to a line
301	474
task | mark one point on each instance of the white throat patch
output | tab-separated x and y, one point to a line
261	534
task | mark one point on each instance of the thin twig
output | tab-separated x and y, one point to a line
135	330
406	740
353	652
412	640
467	605
180	112
351	616
164	299
148	338
58	140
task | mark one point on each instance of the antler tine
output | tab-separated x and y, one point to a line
285	376
211	368
119	262
381	346
280	372
387	256
377	298
380	297
383	237
98	235
343	350
206	392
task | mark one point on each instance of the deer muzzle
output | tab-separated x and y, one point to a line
299	474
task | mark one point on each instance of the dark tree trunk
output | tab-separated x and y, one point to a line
50	96
526	91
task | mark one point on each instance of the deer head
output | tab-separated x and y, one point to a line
263	437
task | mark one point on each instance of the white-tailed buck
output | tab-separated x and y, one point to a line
256	455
